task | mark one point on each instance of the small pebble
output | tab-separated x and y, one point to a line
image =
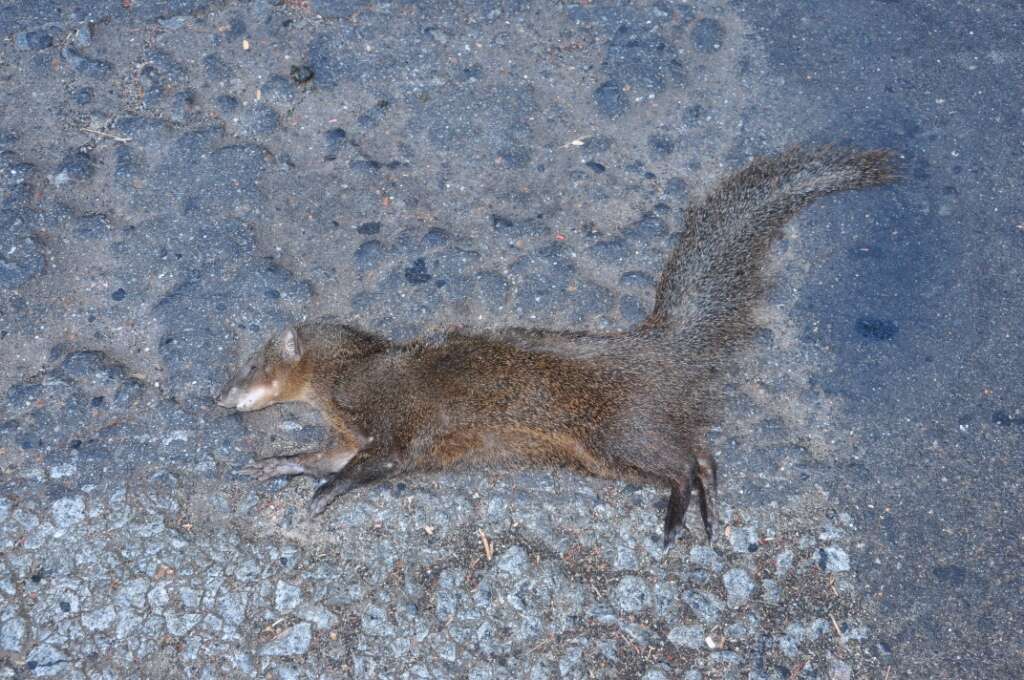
708	35
294	641
690	637
33	40
287	597
631	594
83	35
839	670
743	539
417	272
738	586
833	559
302	73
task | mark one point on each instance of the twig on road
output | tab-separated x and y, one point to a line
488	546
101	133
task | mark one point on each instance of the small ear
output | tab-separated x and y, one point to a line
291	348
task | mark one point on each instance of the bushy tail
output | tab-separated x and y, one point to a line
715	273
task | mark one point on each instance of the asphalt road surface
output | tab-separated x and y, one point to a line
180	179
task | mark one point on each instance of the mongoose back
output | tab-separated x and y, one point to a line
634	404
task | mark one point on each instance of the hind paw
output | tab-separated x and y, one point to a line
704	477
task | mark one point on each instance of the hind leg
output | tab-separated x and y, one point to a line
702	474
675	515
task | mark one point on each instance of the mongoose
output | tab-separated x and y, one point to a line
633	404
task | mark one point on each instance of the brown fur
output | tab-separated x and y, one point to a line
627	405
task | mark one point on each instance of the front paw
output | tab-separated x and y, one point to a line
265	469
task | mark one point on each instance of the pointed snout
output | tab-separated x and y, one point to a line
228	396
244	395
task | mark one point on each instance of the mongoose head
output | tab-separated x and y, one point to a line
274	373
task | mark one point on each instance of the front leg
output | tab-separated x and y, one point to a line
371	466
313	463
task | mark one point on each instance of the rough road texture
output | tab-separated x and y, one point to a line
179	179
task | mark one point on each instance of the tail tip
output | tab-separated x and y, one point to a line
878	166
841	168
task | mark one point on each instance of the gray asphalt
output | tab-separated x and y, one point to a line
178	180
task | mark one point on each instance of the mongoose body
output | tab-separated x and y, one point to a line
634	404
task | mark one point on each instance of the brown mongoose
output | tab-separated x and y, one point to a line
634	404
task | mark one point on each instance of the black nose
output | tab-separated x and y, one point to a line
222	395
